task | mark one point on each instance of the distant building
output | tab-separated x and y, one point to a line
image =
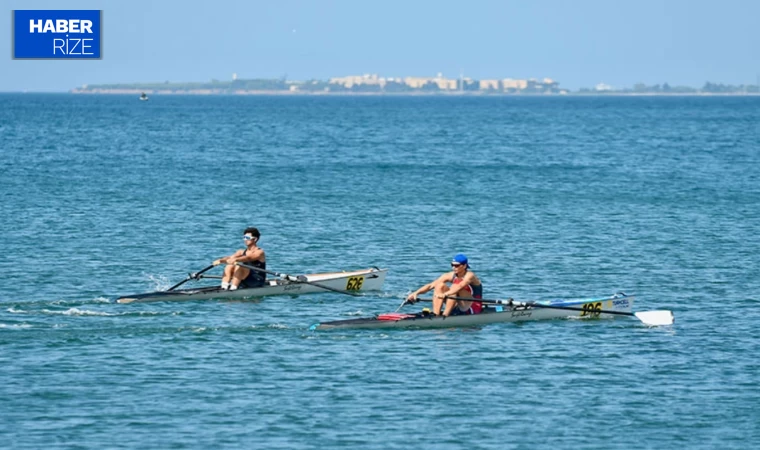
486	85
358	80
510	84
601	87
444	84
375	83
550	84
367	83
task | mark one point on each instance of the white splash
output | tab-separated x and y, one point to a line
77	312
13	326
79	302
160	282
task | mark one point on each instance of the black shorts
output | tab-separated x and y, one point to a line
253	281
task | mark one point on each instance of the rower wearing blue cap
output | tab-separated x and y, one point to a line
455	287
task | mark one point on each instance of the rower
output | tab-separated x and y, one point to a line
453	287
236	276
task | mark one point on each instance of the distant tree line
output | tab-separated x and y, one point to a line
718	87
665	88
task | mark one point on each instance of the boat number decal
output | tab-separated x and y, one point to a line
591	309
354	283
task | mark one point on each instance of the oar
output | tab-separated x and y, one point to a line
406	301
651	318
190	276
422	300
297	279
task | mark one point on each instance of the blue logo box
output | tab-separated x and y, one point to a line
57	34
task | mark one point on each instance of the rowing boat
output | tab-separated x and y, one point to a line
498	311
492	313
349	282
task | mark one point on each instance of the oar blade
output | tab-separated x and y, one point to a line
656	318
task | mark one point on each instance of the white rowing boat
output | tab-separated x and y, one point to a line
498	311
345	282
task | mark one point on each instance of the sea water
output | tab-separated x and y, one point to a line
549	197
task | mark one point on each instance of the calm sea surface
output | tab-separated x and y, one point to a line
102	196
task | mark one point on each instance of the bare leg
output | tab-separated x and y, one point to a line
440	288
463	305
228	269
239	274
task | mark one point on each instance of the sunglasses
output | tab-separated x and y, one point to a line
247	238
455	264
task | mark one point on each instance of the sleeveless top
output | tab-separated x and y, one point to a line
255	278
475	291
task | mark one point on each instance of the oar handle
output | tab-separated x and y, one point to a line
191	276
198	274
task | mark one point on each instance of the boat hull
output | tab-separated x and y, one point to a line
354	281
581	308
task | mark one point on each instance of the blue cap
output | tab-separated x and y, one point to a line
461	258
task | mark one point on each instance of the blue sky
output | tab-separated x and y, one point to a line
579	43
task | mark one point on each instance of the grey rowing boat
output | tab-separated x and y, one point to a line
350	282
498	311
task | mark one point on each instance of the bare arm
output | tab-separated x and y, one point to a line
228	259
430	286
455	288
257	255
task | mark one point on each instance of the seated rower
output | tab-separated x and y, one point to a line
236	276
460	283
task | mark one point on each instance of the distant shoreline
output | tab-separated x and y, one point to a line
373	85
204	92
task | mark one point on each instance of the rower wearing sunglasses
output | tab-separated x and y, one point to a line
237	276
459	283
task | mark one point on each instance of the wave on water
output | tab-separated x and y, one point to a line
15	326
159	282
234	329
56	303
78	312
87	312
81	302
387	294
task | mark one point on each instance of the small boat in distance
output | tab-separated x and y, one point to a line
345	282
143	97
